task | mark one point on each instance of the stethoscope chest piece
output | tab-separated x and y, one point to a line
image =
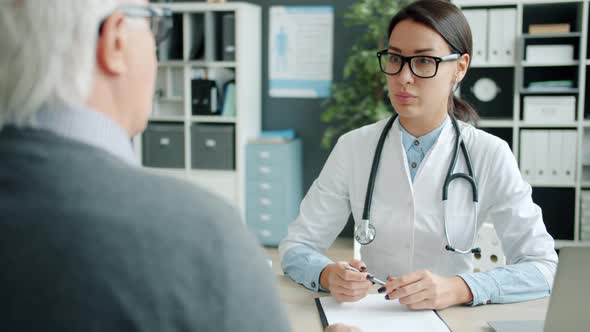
364	232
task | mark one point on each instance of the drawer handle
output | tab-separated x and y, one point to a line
265	201
264	169
264	154
165	141
265	186
265	233
265	217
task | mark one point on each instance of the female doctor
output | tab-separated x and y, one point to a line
420	244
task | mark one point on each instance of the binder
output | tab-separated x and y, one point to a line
555	142
229	99
478	22
540	145
526	156
569	138
502	36
229	38
204	97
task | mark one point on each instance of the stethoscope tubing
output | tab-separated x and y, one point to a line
365	232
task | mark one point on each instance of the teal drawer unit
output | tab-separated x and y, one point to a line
273	187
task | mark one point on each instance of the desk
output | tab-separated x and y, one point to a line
304	317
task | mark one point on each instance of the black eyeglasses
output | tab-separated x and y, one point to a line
420	65
160	19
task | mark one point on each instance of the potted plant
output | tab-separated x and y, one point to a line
361	98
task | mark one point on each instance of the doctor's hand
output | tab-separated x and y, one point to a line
426	290
346	285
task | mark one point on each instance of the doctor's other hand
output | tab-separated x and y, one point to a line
346	285
342	328
426	290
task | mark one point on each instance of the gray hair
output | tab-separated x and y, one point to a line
47	54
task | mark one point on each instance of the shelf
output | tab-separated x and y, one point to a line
552	35
571	243
496	123
198	63
553	185
176	172
169	100
587	123
164	118
465	4
213	119
171	63
490	65
562	64
211	64
548	125
528	91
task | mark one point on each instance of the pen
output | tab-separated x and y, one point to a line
370	277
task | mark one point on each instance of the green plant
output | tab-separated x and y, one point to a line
361	98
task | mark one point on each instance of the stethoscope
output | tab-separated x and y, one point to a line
364	233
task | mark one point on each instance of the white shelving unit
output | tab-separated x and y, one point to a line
174	104
512	123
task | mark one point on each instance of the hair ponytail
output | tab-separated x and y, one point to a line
462	110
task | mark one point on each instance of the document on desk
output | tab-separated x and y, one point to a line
375	314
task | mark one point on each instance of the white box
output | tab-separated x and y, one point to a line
549	53
549	109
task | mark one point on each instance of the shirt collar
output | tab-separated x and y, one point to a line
426	141
88	126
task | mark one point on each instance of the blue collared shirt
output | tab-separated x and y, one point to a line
89	127
417	147
513	283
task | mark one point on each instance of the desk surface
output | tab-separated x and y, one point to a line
303	314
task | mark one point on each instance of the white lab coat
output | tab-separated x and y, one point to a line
408	216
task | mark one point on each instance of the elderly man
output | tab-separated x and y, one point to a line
89	240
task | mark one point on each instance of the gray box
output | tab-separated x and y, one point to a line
213	146
163	145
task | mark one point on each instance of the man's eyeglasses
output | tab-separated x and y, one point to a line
160	19
421	65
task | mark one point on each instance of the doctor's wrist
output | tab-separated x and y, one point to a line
462	291
325	276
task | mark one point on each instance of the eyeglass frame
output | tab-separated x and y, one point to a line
408	60
160	13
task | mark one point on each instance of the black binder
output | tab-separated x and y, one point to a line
205	97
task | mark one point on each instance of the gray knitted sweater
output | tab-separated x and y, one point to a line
89	243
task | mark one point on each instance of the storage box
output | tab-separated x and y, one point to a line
549	53
163	145
549	109
539	29
213	146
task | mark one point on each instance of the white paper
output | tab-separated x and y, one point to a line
300	51
374	314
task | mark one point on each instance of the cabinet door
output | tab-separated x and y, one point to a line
502	36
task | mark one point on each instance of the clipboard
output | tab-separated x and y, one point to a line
374	313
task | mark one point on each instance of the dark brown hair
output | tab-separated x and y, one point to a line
448	20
